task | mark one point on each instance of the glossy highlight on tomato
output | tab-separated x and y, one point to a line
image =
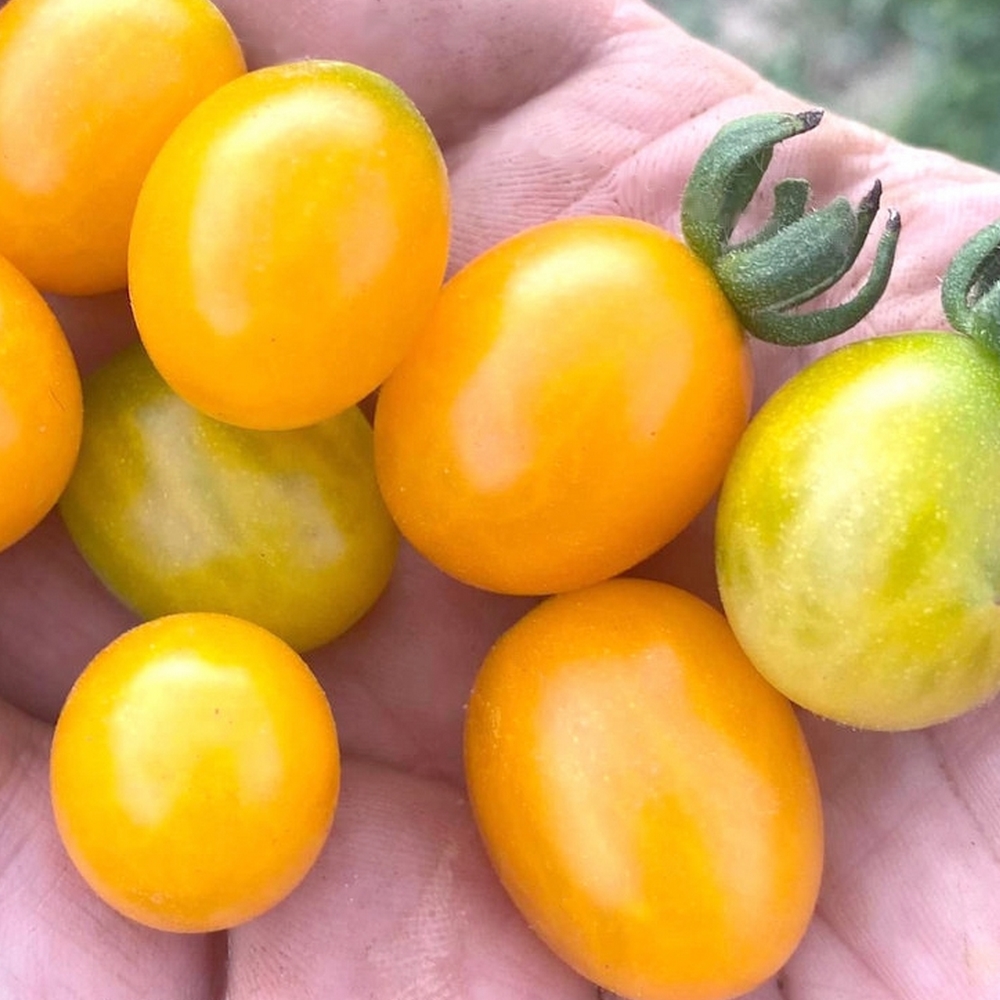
570	407
195	772
646	798
176	511
289	241
89	92
40	407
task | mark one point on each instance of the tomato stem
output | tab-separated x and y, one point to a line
796	255
970	291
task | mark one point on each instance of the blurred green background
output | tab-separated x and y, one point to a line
927	71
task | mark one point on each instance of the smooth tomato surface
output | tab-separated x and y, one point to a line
858	534
195	772
176	511
570	408
88	94
289	242
646	798
40	407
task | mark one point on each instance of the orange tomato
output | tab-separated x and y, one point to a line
569	409
195	772
41	408
646	797
289	242
89	91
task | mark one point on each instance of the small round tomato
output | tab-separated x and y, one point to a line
575	398
195	772
647	799
40	407
289	241
88	94
858	532
568	410
176	511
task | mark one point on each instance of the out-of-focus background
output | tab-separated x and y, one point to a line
926	71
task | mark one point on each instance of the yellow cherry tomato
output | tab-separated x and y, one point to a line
89	91
194	772
289	242
41	409
571	406
647	799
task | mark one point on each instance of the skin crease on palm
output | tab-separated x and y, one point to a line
543	107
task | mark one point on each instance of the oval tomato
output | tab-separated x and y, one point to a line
40	407
195	772
289	241
647	799
858	533
179	512
88	94
569	409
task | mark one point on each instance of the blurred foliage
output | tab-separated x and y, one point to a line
928	71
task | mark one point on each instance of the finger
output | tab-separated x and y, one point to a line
59	940
912	862
462	63
55	615
401	904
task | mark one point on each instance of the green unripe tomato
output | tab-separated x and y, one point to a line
858	533
175	511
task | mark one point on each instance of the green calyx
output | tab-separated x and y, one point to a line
796	255
970	291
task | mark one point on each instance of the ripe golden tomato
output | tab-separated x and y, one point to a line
289	242
646	797
88	94
569	409
41	410
195	772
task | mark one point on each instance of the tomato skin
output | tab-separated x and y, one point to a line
570	408
178	512
858	532
88	94
289	241
40	407
647	799
195	772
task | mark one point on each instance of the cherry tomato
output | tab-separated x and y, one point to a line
647	799
568	410
40	407
195	772
176	511
858	532
89	91
289	242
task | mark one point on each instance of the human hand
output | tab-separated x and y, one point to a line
543	107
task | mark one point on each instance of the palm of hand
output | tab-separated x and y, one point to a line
543	108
